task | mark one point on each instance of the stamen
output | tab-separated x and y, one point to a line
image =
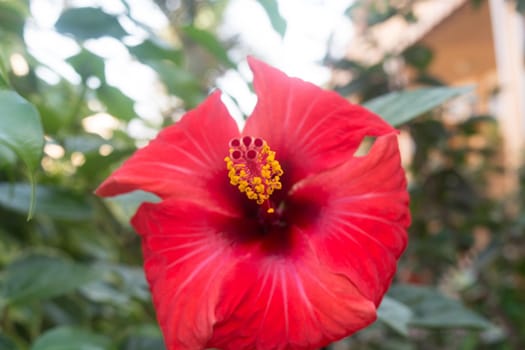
252	167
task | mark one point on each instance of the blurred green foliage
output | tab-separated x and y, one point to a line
72	278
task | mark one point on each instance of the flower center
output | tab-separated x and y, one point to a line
252	167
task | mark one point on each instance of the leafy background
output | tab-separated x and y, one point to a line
71	275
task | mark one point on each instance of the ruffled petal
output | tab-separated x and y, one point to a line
361	217
270	302
185	261
309	128
184	160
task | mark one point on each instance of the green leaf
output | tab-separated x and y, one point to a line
103	292
395	314
20	128
12	16
431	309
38	277
60	106
418	56
21	131
117	104
84	143
87	64
7	344
272	11
144	337
210	42
4	83
132	281
400	107
68	338
51	201
4	71
7	157
89	23
142	342
179	82
97	166
152	49
125	206
122	284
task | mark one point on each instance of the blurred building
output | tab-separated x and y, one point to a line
473	42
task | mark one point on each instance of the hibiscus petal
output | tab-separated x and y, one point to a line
309	128
272	302
185	159
362	216
214	285
186	260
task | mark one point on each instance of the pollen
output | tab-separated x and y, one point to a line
253	169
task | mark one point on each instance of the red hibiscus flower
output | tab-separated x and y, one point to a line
276	237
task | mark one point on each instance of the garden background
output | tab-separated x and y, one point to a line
84	83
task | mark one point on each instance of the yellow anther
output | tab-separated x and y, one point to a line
243	185
252	167
265	173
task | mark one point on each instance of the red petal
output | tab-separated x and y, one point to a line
291	302
309	128
214	287
185	263
360	231
186	159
